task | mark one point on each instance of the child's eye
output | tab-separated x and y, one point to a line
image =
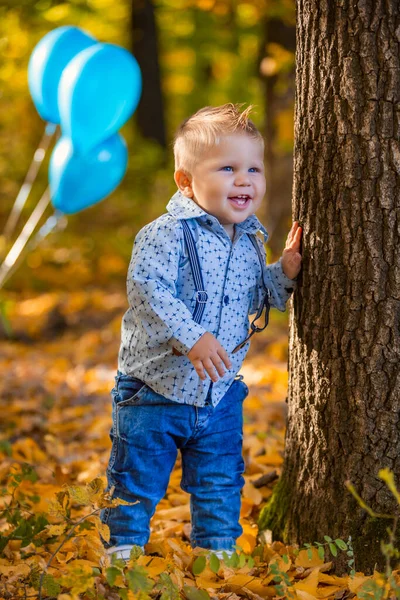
254	169
227	168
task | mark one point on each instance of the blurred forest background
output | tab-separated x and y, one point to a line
192	53
61	311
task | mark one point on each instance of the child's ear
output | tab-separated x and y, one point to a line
184	182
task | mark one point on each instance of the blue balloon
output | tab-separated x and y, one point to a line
77	181
46	64
99	90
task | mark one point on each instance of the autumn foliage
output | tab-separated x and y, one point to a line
56	414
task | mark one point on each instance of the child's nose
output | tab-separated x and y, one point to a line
242	178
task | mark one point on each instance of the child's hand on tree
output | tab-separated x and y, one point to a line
208	355
291	257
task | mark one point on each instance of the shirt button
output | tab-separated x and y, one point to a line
209	222
226	299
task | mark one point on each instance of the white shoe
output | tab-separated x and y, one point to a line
123	551
220	553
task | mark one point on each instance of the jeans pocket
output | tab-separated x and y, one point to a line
127	390
242	388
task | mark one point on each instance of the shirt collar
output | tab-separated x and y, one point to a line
182	207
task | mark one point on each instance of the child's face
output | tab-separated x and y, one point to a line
232	169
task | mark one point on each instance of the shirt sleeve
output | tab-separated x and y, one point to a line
280	286
151	285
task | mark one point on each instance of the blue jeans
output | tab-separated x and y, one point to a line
147	432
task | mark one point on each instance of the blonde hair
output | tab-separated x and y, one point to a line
202	130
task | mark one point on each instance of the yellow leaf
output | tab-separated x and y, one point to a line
302	559
208	583
79	494
95	489
254	584
252	493
304	595
246	507
332	579
388	477
329	591
177	513
247	542
15	571
309	584
154	565
282	565
56	529
357	581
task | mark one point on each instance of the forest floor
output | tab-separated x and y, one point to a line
57	371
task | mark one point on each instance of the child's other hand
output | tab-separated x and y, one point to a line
291	257
208	355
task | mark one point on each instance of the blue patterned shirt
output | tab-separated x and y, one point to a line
161	297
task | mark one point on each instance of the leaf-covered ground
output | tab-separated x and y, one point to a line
57	371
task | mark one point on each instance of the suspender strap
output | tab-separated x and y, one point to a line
253	240
201	294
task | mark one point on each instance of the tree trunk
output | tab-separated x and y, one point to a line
149	113
279	97
344	363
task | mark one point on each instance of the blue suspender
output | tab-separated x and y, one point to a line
201	294
253	240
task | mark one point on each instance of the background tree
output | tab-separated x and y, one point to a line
344	393
150	111
277	71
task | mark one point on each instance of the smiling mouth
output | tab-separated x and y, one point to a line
241	201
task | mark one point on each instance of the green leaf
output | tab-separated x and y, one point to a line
168	589
250	562
333	549
231	561
6	447
341	544
50	585
285	558
309	554
112	574
327	538
307	545
29	473
199	565
242	560
214	563
138	580
321	552
350	562
193	593
135	552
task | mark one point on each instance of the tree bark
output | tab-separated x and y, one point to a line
150	113
344	362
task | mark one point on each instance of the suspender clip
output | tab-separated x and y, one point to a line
201	296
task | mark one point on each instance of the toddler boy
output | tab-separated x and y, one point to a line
177	385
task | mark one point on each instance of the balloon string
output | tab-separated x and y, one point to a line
23	237
26	187
56	222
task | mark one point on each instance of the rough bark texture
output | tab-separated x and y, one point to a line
344	385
